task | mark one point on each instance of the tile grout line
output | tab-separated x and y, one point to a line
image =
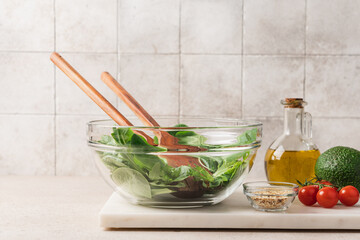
190	116
117	49
119	54
242	60
240	54
305	35
66	52
55	112
180	59
190	54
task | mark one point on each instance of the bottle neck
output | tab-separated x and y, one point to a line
292	121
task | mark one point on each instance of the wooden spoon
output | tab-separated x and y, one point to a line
165	139
100	100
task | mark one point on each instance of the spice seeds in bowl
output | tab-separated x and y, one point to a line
270	196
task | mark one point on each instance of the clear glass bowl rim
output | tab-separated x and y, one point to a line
245	124
110	124
249	187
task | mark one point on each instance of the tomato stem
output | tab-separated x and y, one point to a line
316	181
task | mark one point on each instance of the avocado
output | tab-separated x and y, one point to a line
340	166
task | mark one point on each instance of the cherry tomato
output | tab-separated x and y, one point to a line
307	195
349	195
327	197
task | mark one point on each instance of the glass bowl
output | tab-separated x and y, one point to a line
155	176
270	196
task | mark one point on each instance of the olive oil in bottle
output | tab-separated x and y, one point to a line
289	166
293	155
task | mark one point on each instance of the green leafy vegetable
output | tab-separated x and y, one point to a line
247	137
122	136
138	171
112	162
132	182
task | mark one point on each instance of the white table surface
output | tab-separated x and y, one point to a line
68	208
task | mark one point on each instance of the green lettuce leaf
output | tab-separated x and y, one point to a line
139	172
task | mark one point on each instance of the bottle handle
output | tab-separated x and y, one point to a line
306	128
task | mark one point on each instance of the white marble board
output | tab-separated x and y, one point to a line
233	213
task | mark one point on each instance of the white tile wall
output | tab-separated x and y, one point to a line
211	26
211	85
274	27
149	26
26	25
331	132
86	25
24	90
267	79
333	27
27	145
332	86
213	58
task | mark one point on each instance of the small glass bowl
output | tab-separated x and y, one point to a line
270	196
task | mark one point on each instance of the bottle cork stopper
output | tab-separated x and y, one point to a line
293	103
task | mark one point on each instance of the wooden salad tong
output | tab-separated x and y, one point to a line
166	140
89	90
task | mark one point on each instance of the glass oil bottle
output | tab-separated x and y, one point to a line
293	155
